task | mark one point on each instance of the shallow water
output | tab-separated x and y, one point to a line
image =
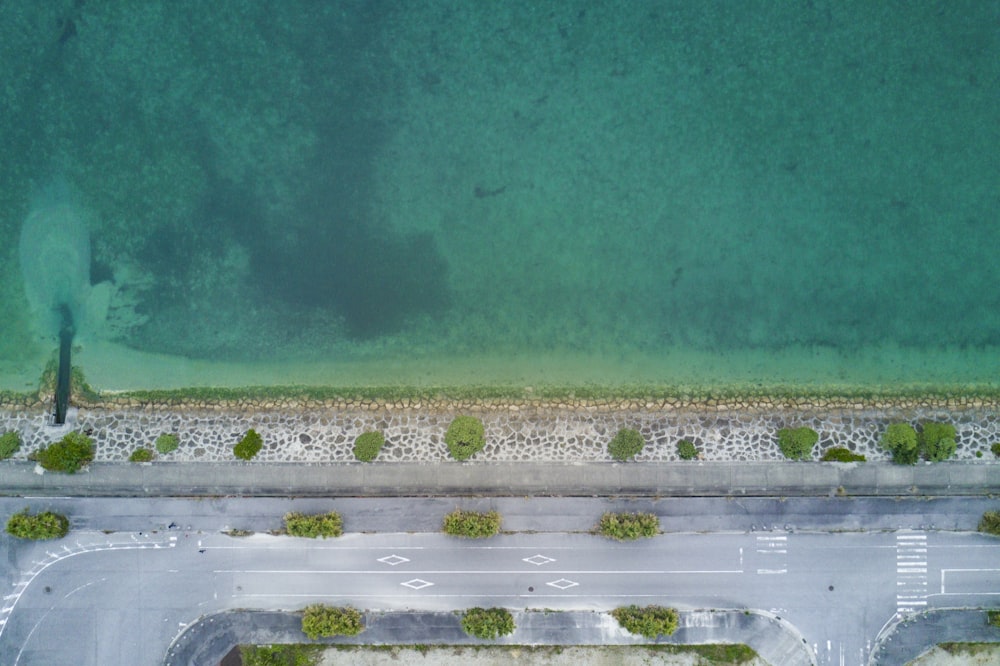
516	192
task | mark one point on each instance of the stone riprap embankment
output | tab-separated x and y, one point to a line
540	434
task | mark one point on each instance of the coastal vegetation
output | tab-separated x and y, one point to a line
649	621
314	526
797	443
10	443
900	439
990	523
687	450
936	441
249	446
167	443
296	654
69	454
367	445
41	526
319	621
841	454
472	524
628	526
465	437
141	455
488	623
626	444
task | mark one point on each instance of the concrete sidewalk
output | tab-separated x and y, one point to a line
718	479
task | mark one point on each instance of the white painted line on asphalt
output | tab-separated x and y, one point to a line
386	572
771	571
945	572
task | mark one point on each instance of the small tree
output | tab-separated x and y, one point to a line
167	443
900	439
797	443
313	526
628	526
465	437
995	449
45	525
488	623
990	523
626	444
10	443
687	450
650	622
936	441
472	524
67	455
249	446
367	445
324	621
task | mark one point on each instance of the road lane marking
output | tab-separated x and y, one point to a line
958	575
336	572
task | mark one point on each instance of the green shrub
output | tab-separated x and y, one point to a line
141	455
797	443
368	445
626	444
936	441
650	622
67	455
167	443
488	623
841	454
249	446
990	523
296	654
993	618
687	450
900	439
472	524
995	448
10	443
466	436
319	621
315	525
46	525
628	526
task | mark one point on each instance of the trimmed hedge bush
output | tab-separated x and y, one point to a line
626	444
472	524
141	455
900	439
67	455
296	654
649	622
10	443
465	437
45	525
841	454
314	525
167	443
936	441
249	446
628	526
990	523
367	445
687	450
797	443
319	621
995	448
488	623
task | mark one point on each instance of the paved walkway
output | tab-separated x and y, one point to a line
506	479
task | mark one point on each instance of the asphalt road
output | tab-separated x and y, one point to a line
123	597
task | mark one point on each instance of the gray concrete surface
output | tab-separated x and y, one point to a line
506	479
908	637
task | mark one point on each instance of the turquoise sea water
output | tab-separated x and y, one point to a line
522	192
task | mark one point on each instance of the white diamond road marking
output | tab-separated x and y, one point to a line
562	584
393	560
417	584
539	560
